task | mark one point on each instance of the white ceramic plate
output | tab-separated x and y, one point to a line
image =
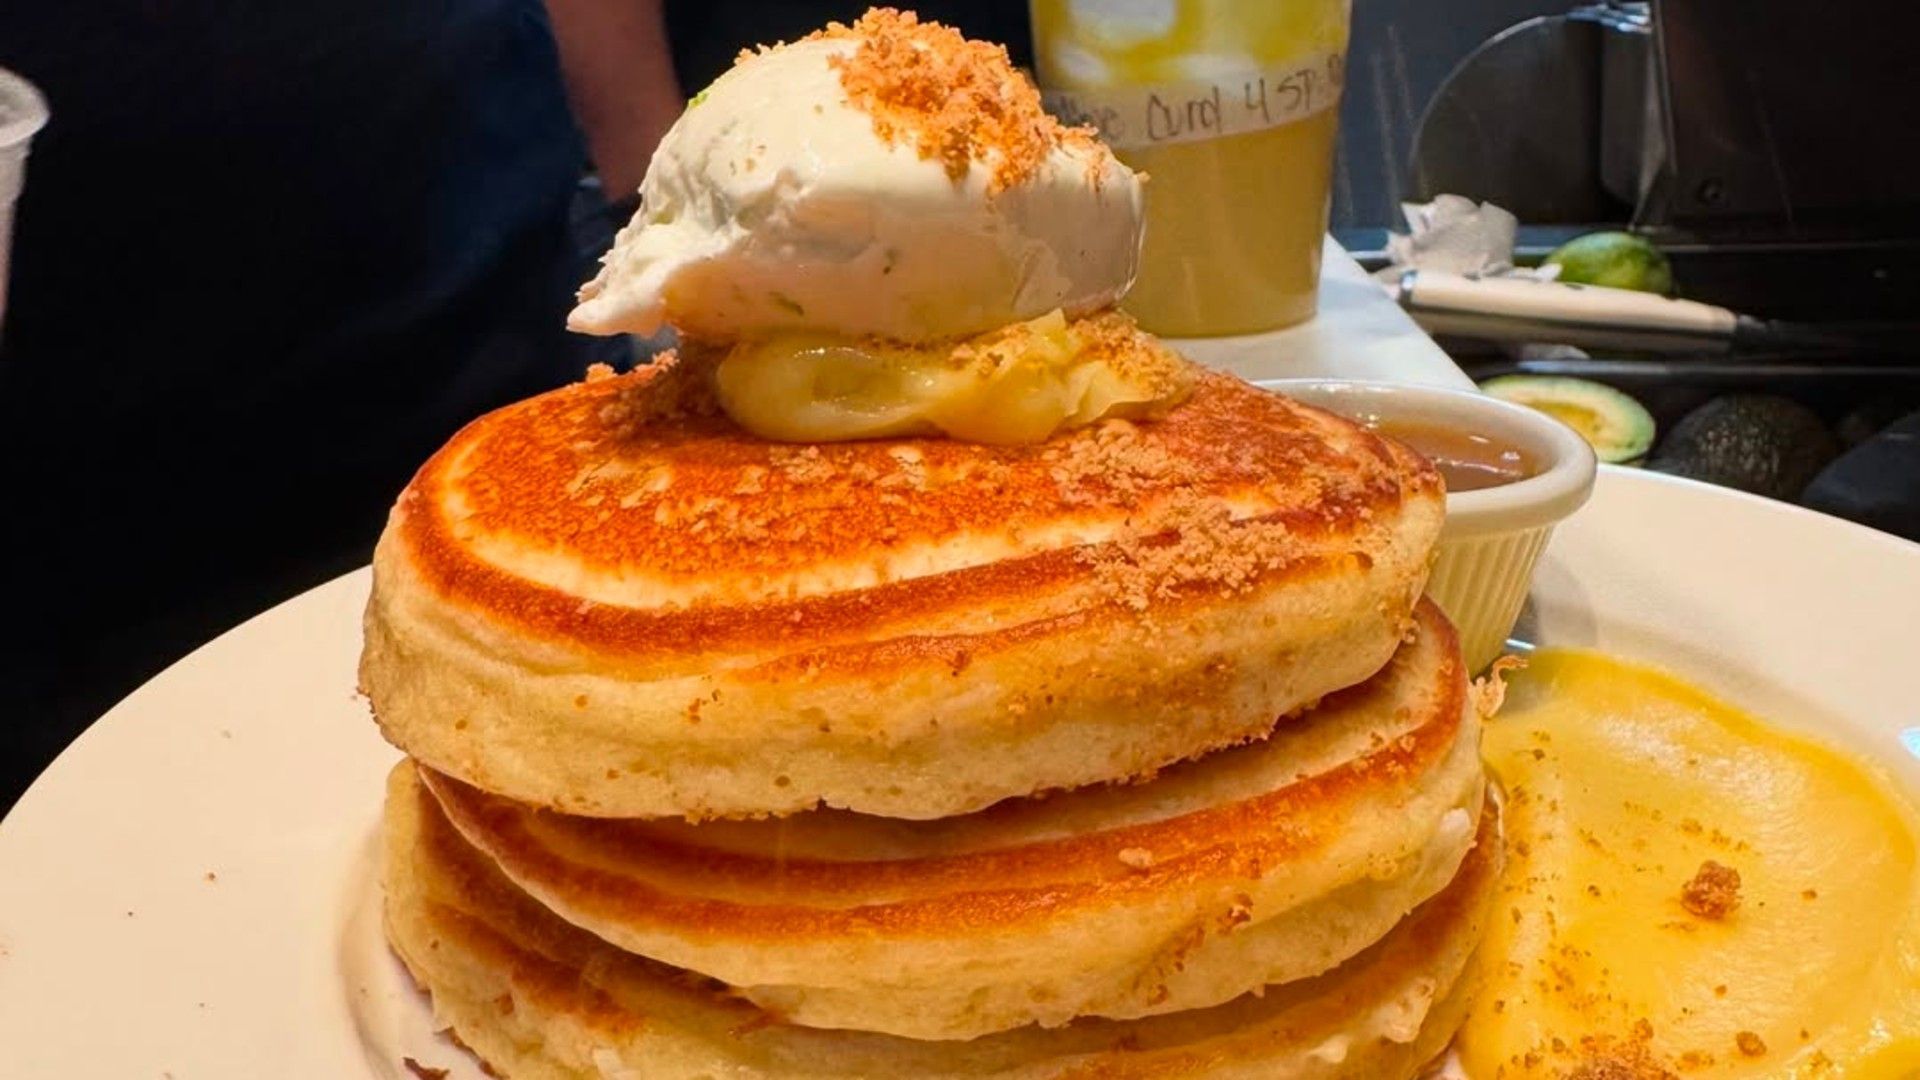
186	892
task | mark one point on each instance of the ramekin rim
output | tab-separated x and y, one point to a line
1539	501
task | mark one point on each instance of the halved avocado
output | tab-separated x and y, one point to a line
1620	428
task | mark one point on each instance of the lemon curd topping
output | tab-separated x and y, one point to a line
1019	384
1690	892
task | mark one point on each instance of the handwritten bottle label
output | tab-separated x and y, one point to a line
1130	117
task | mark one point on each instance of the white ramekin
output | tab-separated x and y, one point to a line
1493	536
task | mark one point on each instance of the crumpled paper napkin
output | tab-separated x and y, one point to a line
1455	235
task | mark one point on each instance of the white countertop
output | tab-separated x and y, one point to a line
1359	333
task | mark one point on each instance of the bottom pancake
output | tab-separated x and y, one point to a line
538	999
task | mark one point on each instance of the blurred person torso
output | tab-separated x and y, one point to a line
267	257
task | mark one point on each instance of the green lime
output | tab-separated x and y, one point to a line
1616	259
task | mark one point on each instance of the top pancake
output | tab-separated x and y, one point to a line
595	602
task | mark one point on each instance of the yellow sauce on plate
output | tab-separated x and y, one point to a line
1621	783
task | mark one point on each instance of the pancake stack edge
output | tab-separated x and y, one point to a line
1127	754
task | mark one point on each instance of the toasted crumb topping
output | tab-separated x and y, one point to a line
1111	337
1621	1059
1190	543
679	384
1114	465
955	101
1713	892
1750	1044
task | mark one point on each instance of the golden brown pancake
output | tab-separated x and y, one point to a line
1257	865
582	605
539	999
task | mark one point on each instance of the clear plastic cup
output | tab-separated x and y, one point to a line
1231	107
22	113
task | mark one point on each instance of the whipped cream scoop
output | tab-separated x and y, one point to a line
784	201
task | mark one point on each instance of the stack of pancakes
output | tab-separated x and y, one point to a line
1133	752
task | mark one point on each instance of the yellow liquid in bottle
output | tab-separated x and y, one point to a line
1234	222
